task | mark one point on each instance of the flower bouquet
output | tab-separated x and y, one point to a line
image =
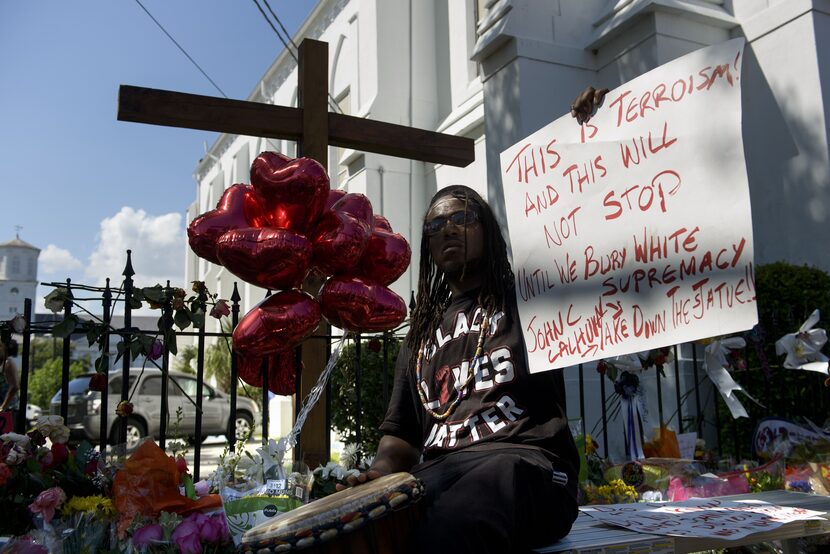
161	509
36	480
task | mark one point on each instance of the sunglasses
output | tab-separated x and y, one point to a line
459	219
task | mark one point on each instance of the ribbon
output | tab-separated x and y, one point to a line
633	435
627	386
803	348
715	364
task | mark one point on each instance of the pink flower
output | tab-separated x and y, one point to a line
144	536
220	309
202	488
187	534
156	350
215	530
47	502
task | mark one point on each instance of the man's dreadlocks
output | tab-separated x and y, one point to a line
434	292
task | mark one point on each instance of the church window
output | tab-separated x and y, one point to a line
14	291
15	265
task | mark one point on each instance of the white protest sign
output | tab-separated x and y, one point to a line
633	231
700	517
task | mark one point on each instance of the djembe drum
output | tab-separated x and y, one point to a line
377	516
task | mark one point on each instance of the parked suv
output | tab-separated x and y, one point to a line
84	417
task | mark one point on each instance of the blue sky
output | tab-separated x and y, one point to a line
84	186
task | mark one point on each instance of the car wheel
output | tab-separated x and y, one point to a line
136	430
243	426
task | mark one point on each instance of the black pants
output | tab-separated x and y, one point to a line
502	501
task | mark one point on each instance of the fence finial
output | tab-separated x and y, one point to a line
128	268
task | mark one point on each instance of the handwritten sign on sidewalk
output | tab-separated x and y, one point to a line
700	517
633	231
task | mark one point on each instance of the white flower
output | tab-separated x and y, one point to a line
18	323
18	440
803	348
52	427
349	455
16	455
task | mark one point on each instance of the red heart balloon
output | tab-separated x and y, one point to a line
382	223
282	376
294	190
339	241
361	305
358	205
269	258
240	206
282	373
334	196
386	257
249	369
276	324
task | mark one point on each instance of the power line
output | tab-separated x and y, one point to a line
179	46
332	102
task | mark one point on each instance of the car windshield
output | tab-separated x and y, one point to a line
79	385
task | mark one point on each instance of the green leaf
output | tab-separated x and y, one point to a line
102	363
94	333
198	318
64	329
182	319
146	342
135	348
120	348
154	294
170	340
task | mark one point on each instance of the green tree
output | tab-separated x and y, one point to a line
344	408
43	349
218	359
46	381
185	360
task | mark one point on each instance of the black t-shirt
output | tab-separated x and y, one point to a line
504	405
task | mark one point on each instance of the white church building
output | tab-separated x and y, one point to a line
497	70
18	275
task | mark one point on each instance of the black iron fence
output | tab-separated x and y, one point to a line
684	397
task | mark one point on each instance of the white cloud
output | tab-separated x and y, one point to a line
157	243
57	260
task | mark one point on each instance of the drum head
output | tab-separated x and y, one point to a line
334	515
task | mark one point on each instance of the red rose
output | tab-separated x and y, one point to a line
181	465
60	453
602	367
124	408
375	345
98	382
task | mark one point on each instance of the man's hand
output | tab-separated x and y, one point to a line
584	105
359	479
393	455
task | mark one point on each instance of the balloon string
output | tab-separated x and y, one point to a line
313	396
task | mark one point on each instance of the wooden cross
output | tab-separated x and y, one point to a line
314	129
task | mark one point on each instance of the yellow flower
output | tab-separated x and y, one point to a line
94	504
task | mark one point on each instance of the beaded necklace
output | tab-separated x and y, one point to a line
460	393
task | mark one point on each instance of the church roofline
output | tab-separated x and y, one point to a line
19	244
